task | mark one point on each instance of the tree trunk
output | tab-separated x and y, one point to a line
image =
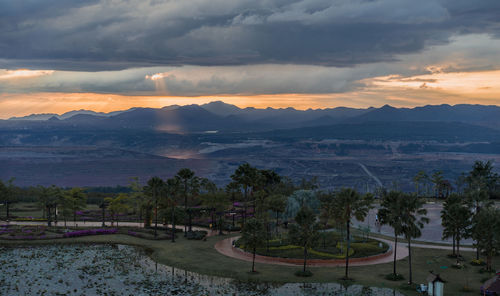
173	224
220	225
253	260
395	251
454	254
156	217
305	259
347	250
410	281
49	217
7	210
277	222
458	247
488	262
103	216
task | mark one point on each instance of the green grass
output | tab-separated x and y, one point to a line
201	257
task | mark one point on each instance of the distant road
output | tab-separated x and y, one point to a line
370	174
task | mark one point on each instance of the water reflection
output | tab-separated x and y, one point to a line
126	270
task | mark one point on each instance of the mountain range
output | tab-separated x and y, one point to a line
222	117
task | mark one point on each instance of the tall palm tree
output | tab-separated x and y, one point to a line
189	185
481	181
413	219
418	179
155	185
391	213
346	205
456	220
248	177
171	190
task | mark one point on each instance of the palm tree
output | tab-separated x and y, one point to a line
346	205
233	189
437	179
253	237
418	179
413	219
247	176
305	232
390	213
216	201
189	185
155	187
171	189
481	181
456	220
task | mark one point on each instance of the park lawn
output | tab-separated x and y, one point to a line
201	257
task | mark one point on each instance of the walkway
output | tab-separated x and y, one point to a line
225	247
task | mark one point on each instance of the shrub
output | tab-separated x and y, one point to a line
90	232
302	273
196	235
476	262
394	277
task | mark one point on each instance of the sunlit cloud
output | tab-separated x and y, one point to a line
484	84
23	73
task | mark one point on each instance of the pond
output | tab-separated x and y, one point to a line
126	270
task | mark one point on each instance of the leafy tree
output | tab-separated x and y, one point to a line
253	237
300	198
8	192
218	201
413	219
137	198
346	205
47	198
391	213
76	200
486	232
171	191
456	220
305	232
118	205
154	190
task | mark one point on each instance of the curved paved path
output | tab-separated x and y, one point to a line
225	247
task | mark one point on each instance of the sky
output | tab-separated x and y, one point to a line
106	55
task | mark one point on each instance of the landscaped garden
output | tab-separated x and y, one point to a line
330	245
41	232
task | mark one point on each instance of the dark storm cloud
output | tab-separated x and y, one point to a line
99	35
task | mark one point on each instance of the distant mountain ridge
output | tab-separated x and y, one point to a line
219	116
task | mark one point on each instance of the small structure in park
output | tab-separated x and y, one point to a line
492	286
435	285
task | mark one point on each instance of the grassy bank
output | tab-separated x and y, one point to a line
201	257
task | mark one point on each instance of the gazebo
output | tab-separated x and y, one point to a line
435	285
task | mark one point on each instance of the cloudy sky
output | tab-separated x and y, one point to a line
60	55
